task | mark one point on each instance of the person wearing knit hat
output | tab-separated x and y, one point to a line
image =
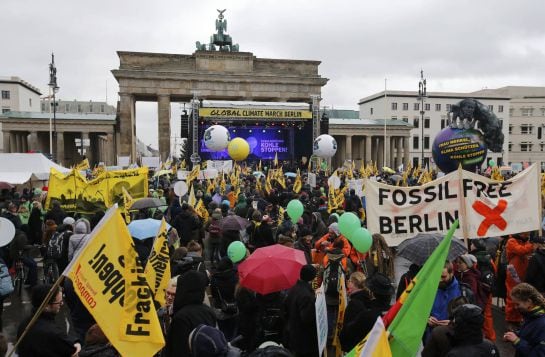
208	341
468	276
301	315
325	243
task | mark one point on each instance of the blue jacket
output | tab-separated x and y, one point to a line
532	335
443	297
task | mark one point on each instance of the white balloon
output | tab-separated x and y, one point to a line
7	231
325	146
216	138
180	188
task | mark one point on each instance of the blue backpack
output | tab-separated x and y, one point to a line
6	283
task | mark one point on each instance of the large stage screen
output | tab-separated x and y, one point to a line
264	143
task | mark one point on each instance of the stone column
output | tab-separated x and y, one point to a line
19	142
109	150
60	148
386	158
361	150
391	155
380	158
7	136
127	126
406	156
89	152
12	142
163	104
24	138
368	148
33	141
348	150
398	154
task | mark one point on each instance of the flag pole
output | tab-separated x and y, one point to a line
461	199
385	111
54	288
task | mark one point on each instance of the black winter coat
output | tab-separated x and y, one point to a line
483	349
307	249
187	226
301	336
359	308
45	339
189	312
264	236
536	270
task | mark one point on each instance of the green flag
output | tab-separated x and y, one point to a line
408	326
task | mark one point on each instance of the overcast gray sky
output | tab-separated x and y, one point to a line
461	45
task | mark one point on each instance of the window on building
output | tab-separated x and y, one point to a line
67	107
491	107
90	108
426	122
509	147
426	142
526	129
43	107
501	123
416	106
394	106
527	112
5	94
79	108
449	106
415	142
415	122
443	123
394	117
405	106
542	146
510	128
500	108
371	111
406	119
525	146
427	106
102	108
5	110
437	107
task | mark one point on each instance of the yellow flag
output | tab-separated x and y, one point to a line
275	162
297	185
331	203
194	174
127	203
340	317
192	200
268	185
201	210
222	185
110	282
281	211
258	184
496	174
84	165
210	187
183	164
158	265
259	166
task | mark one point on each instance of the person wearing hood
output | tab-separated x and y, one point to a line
406	279
207	341
35	224
82	228
187	224
222	285
66	229
264	236
189	311
301	337
241	208
304	243
319	229
192	261
518	251
55	213
212	242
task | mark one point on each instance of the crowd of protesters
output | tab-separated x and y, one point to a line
208	313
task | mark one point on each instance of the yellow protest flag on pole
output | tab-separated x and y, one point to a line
158	266
84	165
192	200
127	203
201	210
275	162
110	282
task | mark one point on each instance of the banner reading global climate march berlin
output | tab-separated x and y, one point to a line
490	208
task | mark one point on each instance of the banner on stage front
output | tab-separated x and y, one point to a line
491	208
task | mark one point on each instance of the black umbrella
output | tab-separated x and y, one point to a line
147	202
419	248
234	223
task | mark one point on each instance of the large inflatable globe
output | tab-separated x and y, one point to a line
216	138
325	146
453	146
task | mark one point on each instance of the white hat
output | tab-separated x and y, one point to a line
7	231
69	221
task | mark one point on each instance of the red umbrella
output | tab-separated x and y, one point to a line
271	269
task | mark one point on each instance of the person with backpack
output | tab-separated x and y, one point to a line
192	261
535	274
270	317
222	285
488	271
469	277
335	264
214	232
82	228
6	287
57	247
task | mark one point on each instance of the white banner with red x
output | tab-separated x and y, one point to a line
485	208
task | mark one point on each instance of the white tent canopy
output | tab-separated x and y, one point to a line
17	169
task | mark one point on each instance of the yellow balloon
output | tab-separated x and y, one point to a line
238	149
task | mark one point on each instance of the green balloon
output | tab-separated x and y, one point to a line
361	239
295	210
491	163
236	251
348	222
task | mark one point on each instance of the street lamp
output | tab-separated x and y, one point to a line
422	94
53	87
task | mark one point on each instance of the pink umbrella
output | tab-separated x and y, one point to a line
271	269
